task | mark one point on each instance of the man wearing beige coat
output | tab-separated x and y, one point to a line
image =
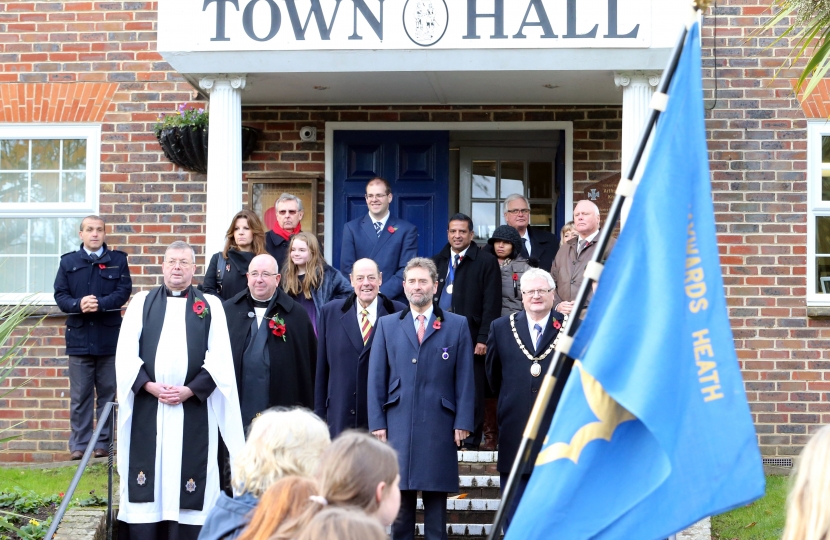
572	258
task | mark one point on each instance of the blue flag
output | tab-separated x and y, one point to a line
653	431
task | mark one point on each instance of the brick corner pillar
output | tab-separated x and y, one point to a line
224	176
637	87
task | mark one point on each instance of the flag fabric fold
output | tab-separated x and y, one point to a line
653	431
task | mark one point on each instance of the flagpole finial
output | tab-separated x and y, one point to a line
701	5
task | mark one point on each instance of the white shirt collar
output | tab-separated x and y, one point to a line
427	314
462	254
531	323
371	308
383	220
590	237
99	252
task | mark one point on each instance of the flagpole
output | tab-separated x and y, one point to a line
561	364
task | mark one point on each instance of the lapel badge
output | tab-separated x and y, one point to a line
190	486
445	355
141	479
251	314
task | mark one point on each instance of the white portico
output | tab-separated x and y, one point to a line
410	52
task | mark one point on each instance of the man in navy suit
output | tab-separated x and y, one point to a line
422	398
345	335
519	351
387	240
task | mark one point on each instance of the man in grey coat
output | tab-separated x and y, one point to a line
421	398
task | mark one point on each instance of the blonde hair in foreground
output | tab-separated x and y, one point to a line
808	503
342	524
281	442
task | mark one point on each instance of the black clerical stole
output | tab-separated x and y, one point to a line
195	438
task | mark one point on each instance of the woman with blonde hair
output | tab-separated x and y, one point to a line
356	470
568	231
281	443
225	276
342	524
808	503
308	279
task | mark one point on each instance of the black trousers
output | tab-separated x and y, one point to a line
435	516
162	530
89	375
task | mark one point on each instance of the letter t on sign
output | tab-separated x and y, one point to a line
220	17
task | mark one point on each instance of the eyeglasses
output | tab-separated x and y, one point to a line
183	264
370	196
289	212
263	275
522	211
361	279
537	292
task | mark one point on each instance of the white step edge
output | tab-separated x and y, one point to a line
479	481
477	457
461	529
476	505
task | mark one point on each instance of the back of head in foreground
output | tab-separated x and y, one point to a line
342	524
287	499
281	442
808	503
358	471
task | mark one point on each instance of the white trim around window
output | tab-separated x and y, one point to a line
68	210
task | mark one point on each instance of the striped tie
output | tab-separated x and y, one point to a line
421	328
378	225
365	326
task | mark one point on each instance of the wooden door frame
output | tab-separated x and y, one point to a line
331	127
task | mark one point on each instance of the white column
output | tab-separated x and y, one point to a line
224	177
637	88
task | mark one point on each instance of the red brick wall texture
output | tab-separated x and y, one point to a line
98	60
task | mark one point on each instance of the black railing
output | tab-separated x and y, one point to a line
107	420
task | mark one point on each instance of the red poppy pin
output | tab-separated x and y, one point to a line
391	229
515	276
437	323
557	324
200	309
102	266
277	326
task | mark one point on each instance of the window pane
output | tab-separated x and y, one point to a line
45	236
45	187
43	270
74	154
484	180
70	241
14	155
512	178
825	185
825	149
45	154
13	187
540	175
73	187
823	235
13	235
13	276
541	215
484	220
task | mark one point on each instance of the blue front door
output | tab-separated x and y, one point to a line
415	163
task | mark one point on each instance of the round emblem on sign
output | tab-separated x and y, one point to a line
425	21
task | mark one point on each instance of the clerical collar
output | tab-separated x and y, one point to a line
175	294
261	303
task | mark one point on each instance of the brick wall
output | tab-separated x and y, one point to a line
758	152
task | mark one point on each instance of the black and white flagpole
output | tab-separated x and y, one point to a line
561	364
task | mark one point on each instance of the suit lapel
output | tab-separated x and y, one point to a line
408	327
548	334
524	333
429	329
352	327
385	235
368	229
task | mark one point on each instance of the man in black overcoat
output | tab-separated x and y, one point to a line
345	333
289	212
538	245
469	284
519	351
91	286
273	344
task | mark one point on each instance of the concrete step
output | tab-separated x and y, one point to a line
459	531
480	487
469	511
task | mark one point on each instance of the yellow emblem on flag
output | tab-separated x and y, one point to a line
610	413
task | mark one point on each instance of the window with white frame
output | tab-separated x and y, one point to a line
49	177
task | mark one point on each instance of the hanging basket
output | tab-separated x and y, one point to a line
187	146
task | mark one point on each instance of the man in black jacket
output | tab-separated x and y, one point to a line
289	210
91	286
469	284
537	244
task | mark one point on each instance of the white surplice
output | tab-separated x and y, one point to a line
171	368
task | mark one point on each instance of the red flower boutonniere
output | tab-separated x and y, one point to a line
391	229
277	326
437	323
557	324
200	309
102	266
515	276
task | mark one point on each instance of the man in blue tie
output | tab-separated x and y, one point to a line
387	240
519	351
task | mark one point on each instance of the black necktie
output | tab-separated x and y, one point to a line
525	254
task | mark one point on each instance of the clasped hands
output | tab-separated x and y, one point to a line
460	435
169	394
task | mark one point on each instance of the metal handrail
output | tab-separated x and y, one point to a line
108	415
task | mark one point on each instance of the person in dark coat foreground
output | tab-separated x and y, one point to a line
273	344
226	273
346	332
519	351
421	398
